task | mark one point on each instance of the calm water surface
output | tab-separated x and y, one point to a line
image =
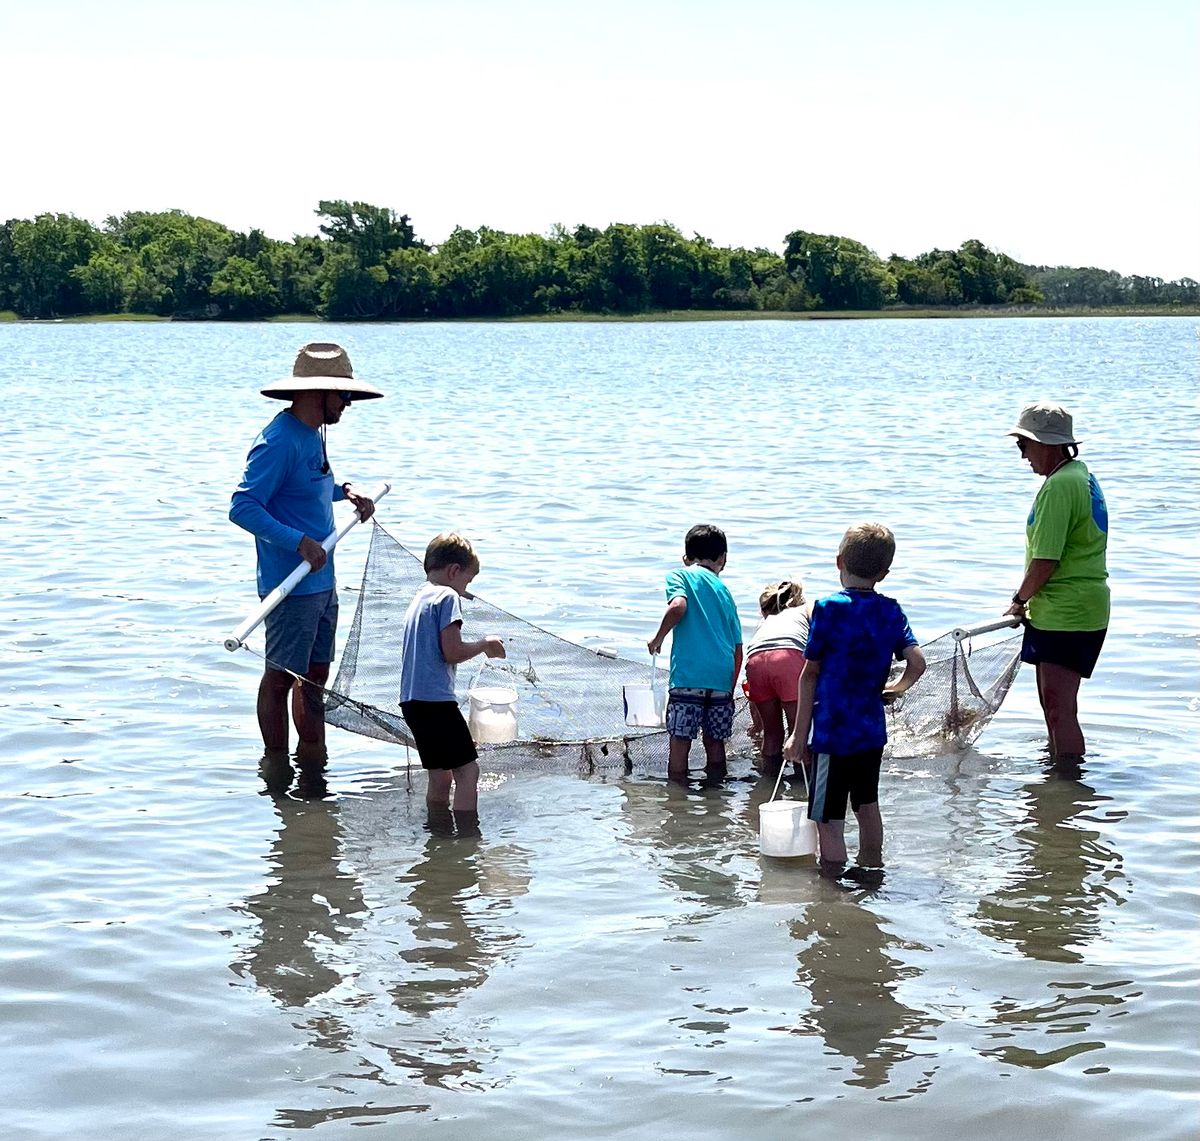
184	955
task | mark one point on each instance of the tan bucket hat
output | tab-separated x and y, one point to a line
1045	423
321	367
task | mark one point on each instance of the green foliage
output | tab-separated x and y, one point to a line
106	277
970	275
488	273
358	269
1063	286
836	273
38	260
244	289
368	264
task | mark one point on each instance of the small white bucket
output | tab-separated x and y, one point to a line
785	830
646	705
492	717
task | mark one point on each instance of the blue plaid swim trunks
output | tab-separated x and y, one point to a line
691	711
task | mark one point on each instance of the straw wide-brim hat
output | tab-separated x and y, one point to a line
321	367
1045	423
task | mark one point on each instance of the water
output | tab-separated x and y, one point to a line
184	955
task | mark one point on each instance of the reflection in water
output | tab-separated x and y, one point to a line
1051	911
1063	876
853	981
694	836
459	889
1078	1009
313	903
456	942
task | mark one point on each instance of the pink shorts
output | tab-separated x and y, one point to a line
773	674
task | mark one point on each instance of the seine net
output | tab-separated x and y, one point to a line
963	685
570	708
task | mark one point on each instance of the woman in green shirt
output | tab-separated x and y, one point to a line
1063	598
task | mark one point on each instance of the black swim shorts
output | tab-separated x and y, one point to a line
839	777
440	733
1076	650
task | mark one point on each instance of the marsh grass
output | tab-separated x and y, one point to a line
7	315
93	318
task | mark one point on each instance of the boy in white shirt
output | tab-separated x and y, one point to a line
433	646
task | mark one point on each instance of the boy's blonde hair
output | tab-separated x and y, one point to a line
450	549
777	597
867	550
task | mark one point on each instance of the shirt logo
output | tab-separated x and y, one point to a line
1099	507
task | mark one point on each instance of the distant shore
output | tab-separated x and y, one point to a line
7	316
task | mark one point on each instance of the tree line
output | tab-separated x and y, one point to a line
369	264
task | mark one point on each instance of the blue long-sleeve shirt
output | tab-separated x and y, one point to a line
284	495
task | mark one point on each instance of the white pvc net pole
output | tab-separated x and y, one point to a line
961	633
238	638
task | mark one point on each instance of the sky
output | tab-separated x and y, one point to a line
1060	132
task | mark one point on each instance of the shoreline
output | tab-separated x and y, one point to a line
895	313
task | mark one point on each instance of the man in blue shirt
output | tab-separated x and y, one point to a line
285	500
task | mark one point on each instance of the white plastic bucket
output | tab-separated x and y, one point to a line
492	717
785	830
646	705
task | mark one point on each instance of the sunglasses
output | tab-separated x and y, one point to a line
1021	442
346	397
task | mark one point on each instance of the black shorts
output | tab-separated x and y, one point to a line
1076	650
838	777
440	733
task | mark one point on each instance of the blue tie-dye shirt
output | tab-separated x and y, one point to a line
855	635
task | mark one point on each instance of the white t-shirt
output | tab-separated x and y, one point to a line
787	630
425	675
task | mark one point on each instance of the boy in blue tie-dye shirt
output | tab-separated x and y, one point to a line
853	637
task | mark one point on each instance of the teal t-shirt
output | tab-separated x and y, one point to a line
703	643
1069	523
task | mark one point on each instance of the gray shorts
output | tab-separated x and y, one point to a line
301	632
691	711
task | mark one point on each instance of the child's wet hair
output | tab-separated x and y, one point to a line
450	549
777	597
704	541
867	550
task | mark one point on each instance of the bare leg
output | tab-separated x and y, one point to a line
1058	691
770	713
466	787
311	761
831	838
466	823
308	705
437	790
439	820
789	715
272	708
714	759
276	770
756	728
870	836
677	759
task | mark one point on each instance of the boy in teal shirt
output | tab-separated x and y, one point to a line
706	653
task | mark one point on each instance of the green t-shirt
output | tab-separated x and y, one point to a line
1069	523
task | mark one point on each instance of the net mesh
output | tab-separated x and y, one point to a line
570	707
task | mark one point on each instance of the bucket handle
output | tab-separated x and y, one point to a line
653	672
779	777
486	661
